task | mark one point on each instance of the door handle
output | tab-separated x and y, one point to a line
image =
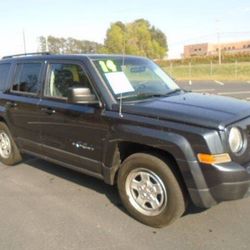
49	111
12	104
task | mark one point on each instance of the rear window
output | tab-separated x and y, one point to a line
4	73
26	78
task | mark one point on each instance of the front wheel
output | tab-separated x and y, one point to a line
150	191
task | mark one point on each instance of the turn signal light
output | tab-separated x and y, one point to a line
214	159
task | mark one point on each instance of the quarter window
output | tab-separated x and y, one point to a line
65	76
4	73
26	78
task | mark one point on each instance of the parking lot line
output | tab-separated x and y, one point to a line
203	90
234	93
220	83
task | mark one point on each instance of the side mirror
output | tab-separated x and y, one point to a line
81	95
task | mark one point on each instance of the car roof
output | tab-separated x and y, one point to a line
34	57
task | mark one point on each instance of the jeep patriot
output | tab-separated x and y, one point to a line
125	121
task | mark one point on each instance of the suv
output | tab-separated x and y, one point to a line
123	120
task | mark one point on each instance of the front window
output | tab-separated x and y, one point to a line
134	78
64	76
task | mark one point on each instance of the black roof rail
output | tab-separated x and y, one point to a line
27	54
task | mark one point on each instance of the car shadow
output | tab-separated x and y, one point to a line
192	209
90	182
78	178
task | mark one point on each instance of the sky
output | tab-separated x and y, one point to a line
183	22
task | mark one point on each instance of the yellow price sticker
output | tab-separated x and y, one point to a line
108	66
111	65
103	66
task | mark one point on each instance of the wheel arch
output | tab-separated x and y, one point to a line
128	148
2	119
124	148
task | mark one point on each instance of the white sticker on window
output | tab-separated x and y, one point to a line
119	82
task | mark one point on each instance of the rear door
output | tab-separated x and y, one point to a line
71	133
21	101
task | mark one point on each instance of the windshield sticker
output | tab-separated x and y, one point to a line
111	65
119	82
103	66
108	66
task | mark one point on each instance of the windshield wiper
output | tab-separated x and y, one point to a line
174	91
142	95
148	95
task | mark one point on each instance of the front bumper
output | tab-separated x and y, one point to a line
224	182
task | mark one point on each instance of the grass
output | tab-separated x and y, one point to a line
227	72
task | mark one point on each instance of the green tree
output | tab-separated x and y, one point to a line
42	43
56	45
137	38
159	36
114	42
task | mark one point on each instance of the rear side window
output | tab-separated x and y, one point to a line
26	78
4	73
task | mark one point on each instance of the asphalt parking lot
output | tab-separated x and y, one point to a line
236	89
45	206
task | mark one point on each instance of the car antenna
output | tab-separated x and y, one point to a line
123	63
120	107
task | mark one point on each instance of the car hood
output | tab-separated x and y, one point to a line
197	109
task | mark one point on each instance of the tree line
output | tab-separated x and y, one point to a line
135	38
60	45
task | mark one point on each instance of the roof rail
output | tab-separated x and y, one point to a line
26	54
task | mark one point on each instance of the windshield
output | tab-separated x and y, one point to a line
134	78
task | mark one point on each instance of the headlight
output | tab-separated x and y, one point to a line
235	140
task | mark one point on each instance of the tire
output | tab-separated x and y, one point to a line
9	153
158	203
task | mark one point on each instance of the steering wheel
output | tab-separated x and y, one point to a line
140	86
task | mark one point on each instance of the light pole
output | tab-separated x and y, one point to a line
46	44
218	42
24	42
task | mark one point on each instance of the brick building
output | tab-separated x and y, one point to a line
209	49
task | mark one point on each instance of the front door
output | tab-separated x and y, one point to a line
71	133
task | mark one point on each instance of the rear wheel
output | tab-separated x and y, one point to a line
9	153
150	191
